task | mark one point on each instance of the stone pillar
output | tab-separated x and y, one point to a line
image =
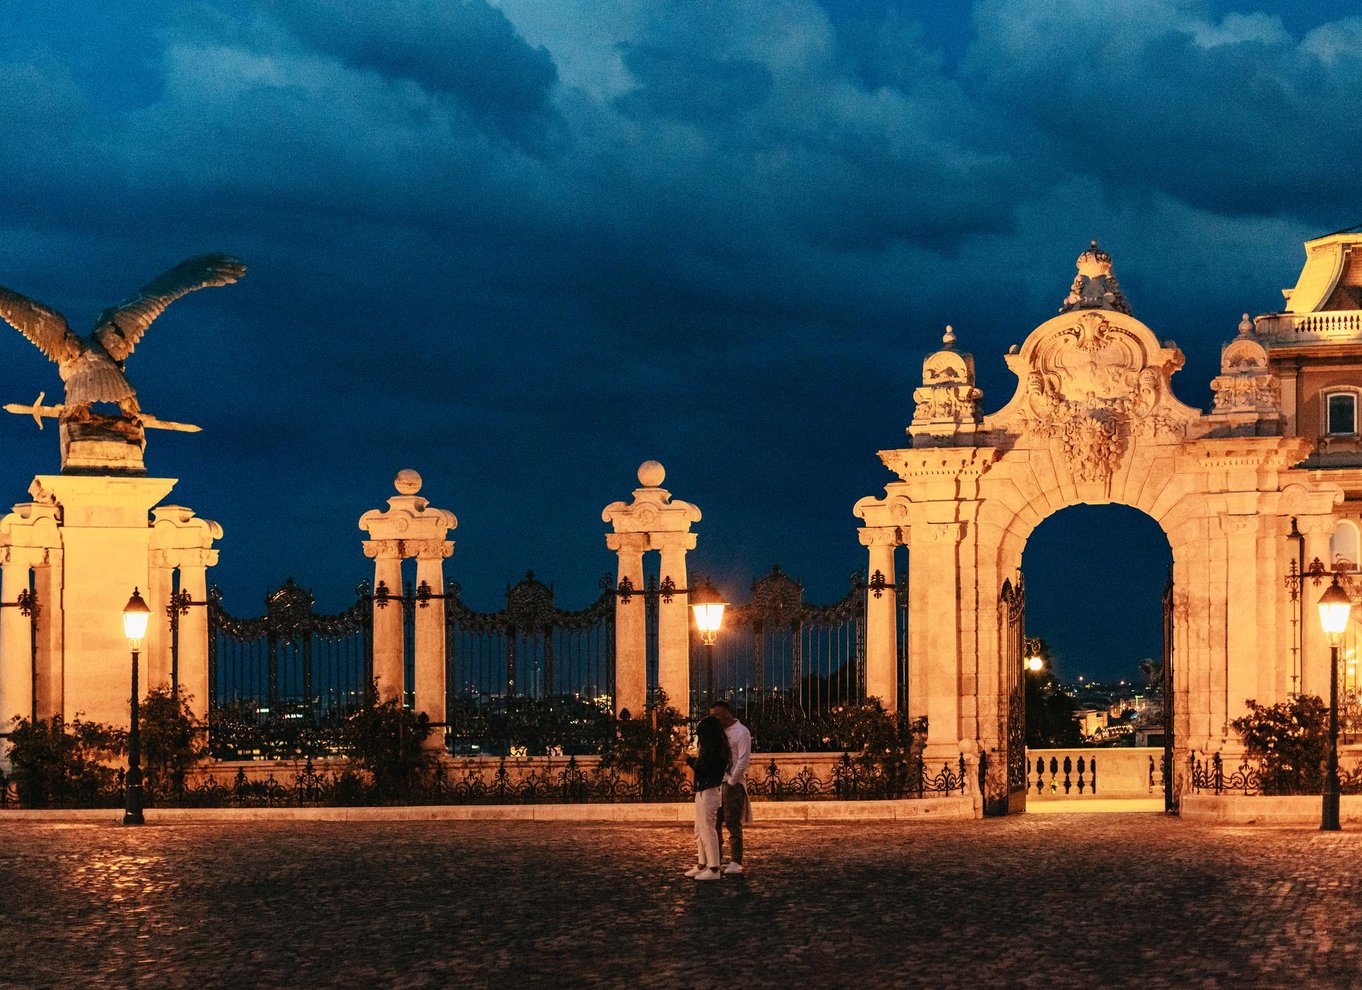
881	616
160	586
51	680
181	541
631	633
673	619
1245	627
409	527
390	675
653	521
193	649
16	639
1314	643
430	634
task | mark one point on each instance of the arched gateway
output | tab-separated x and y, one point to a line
1093	420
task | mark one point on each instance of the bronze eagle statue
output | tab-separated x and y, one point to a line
92	367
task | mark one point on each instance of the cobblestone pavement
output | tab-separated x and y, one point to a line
1036	901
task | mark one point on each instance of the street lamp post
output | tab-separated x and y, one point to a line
708	606
136	614
1334	609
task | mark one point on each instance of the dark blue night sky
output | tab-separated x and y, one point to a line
523	246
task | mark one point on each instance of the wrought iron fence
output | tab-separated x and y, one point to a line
532	678
1210	774
281	683
789	668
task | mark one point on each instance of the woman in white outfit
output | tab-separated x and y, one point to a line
710	764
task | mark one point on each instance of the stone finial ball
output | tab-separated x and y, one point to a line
650	474
407	482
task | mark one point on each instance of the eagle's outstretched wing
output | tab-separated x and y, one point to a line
45	327
120	328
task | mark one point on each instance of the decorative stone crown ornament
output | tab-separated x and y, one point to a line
948	399
1095	285
1247	394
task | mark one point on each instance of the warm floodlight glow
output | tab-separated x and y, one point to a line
708	606
136	615
1334	609
1034	664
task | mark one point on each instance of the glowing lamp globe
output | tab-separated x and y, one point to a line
1034	664
708	606
1334	609
136	615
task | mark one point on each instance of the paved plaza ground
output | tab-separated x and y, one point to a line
1034	901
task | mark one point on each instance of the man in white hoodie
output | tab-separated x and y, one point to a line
733	808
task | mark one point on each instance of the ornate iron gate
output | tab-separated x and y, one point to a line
279	675
787	665
1008	795
1170	796
532	678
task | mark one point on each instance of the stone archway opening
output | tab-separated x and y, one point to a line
1095	578
1096	725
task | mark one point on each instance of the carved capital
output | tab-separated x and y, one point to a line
427	549
383	549
11	556
943	532
627	543
879	536
1240	525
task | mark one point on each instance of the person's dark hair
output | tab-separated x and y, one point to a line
721	704
710	737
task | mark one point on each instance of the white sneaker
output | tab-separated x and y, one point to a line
732	868
708	873
694	871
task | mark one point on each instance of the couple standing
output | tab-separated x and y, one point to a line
723	751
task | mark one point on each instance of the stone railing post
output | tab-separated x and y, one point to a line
631	662
409	527
652	521
881	616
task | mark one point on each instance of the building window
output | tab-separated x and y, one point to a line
1343	545
1341	410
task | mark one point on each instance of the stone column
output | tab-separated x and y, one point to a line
181	541
409	527
389	662
430	635
1245	627
1314	644
193	668
16	638
881	616
673	620
160	585
631	661
51	679
653	521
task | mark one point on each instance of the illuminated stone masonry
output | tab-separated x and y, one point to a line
79	548
1094	421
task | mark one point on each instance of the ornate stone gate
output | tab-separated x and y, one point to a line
1093	420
